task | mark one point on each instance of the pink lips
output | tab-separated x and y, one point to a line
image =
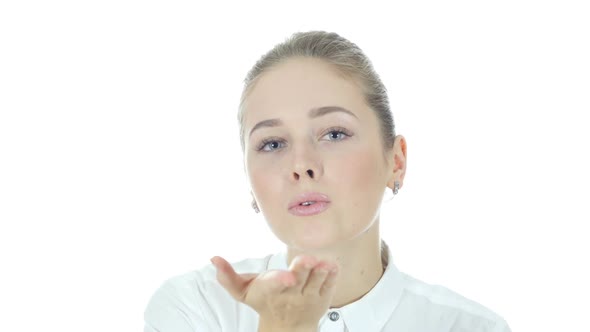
308	204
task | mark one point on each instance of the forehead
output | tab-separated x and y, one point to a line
297	85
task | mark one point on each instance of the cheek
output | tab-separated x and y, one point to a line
264	179
359	172
360	183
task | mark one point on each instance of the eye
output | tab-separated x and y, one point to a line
337	134
270	144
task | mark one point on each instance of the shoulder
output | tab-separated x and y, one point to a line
449	307
195	298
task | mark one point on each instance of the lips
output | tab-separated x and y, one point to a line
310	203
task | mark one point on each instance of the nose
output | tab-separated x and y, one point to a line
308	172
306	165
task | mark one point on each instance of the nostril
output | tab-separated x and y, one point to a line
310	173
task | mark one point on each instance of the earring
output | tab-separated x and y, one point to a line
395	188
255	206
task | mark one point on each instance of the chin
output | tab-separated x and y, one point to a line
312	241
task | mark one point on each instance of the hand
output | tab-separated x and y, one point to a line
292	299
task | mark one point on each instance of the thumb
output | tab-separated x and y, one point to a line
235	284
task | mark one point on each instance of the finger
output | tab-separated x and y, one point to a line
237	285
276	281
233	283
316	279
301	267
330	282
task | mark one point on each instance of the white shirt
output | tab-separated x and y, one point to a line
196	302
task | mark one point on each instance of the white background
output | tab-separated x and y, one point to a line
120	163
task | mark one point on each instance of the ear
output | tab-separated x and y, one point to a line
400	155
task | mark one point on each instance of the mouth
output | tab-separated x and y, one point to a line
309	208
309	204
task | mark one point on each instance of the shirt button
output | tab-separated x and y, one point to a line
334	316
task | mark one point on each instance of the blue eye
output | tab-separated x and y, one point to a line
334	134
337	134
270	144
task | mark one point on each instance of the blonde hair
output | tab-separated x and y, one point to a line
348	60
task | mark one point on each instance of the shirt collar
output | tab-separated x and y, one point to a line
373	310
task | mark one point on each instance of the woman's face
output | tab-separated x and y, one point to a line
295	146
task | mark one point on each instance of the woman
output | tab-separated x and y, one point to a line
320	150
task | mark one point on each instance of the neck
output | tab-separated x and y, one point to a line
359	262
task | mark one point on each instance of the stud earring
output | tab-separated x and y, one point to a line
255	206
395	188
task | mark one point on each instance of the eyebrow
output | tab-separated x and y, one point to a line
312	114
